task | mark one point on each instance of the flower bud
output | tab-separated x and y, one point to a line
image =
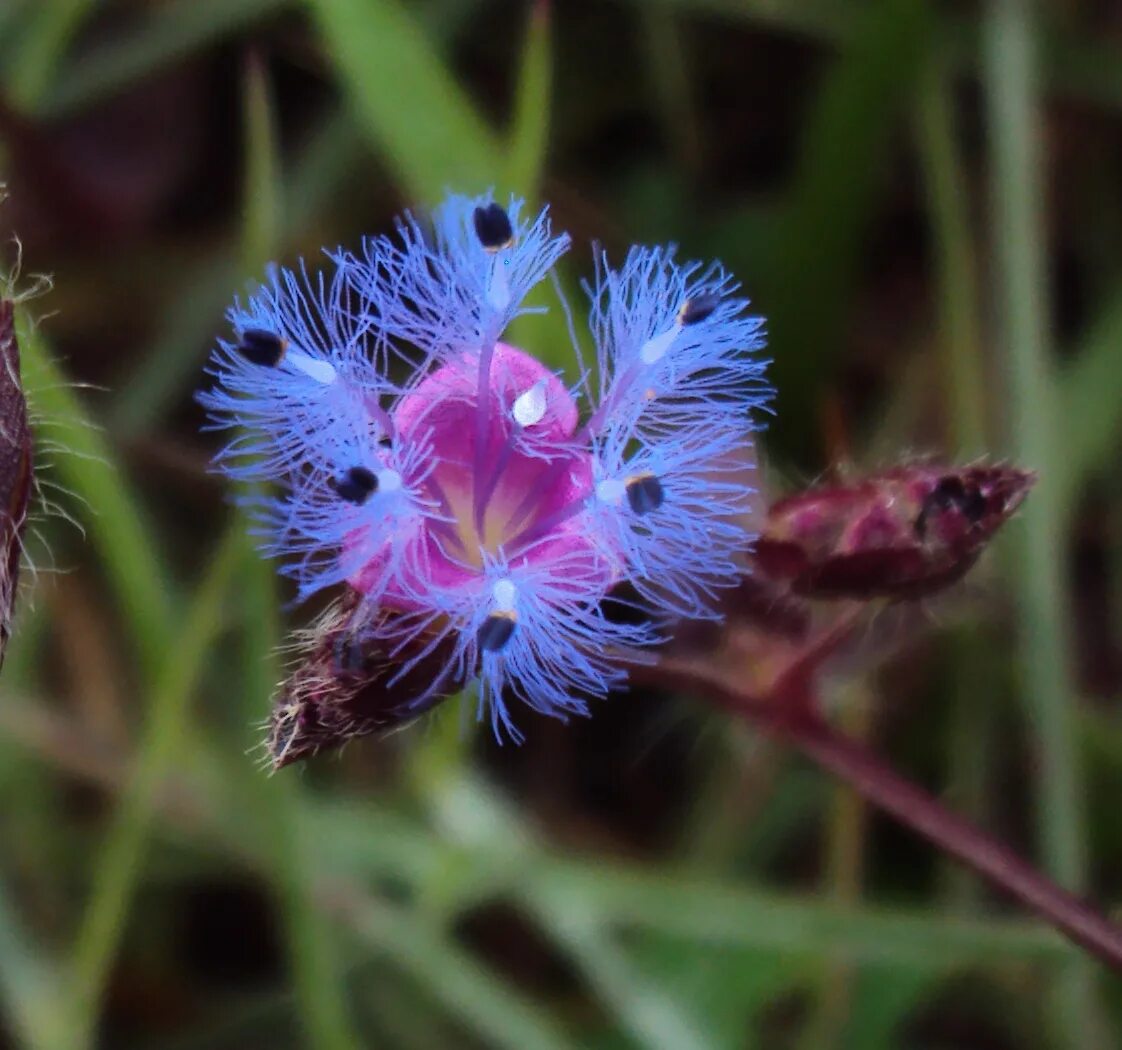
349	686
905	533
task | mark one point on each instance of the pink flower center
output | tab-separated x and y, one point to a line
518	497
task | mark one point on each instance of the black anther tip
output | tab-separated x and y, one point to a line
492	227
262	347
355	485
698	308
496	631
644	493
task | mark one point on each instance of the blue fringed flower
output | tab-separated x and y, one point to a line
448	479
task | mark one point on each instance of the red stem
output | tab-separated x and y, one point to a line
883	787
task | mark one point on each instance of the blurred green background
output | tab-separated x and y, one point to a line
925	200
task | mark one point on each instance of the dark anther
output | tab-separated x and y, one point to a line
698	308
261	347
644	493
492	227
496	631
950	493
355	485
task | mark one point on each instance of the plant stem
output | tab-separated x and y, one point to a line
911	805
883	787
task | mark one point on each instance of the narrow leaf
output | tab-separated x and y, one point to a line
532	106
417	117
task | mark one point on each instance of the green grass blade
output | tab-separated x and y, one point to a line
490	1007
718	912
1017	201
545	335
176	354
178	350
29	989
808	287
312	951
363	841
261	190
111	513
883	998
1090	391
654	1017
965	415
1038	581
1073	65
311	948
170	32
414	112
529	139
957	274
13	17
671	84
727	989
42	47
120	858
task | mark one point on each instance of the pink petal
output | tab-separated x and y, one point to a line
443	400
441	411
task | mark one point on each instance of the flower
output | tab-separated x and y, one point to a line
451	482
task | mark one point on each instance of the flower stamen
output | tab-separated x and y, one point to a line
313	367
493	227
655	348
529	406
261	347
356	485
698	308
693	311
496	631
644	493
498	628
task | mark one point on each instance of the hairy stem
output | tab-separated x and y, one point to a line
925	814
911	805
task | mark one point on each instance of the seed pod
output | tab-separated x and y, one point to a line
905	533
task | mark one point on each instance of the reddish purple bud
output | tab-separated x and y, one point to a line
346	688
905	533
15	469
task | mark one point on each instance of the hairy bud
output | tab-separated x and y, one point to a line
348	686
904	533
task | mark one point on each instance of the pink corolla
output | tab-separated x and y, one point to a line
448	479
